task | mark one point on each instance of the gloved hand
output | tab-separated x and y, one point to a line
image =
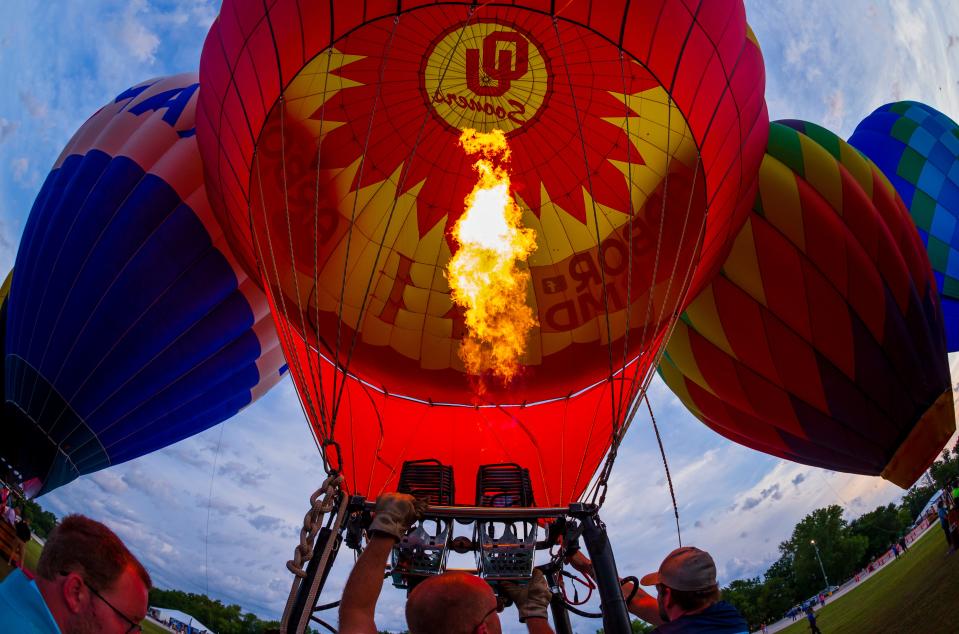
531	600
395	513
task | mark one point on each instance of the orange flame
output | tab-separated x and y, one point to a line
484	275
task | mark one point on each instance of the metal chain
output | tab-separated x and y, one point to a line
322	502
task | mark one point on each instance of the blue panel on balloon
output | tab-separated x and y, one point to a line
129	331
917	147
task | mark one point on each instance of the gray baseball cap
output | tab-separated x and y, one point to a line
687	569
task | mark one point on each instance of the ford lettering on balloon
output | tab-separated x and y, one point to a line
130	324
485	217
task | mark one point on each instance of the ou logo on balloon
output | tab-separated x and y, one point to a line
498	64
475	76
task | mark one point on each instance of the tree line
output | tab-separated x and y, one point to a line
845	548
213	613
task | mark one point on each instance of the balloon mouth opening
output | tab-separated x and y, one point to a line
923	443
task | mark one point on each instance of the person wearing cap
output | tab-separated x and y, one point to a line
687	597
451	603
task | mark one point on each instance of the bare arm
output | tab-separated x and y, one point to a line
363	588
643	605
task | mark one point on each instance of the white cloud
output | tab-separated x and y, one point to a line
140	41
35	108
7	128
19	168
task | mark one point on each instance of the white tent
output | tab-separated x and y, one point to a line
167	615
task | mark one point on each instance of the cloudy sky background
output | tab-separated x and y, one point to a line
219	513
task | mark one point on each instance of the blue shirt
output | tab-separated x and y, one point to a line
719	618
22	608
943	515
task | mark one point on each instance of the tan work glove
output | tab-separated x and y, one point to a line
531	600
395	513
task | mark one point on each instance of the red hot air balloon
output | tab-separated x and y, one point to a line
344	143
821	341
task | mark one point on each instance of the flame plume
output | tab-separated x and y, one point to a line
484	276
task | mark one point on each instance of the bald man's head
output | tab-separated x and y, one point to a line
453	603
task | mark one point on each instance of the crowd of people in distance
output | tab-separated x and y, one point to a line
13	516
947	511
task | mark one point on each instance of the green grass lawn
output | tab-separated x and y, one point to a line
152	628
917	593
31	556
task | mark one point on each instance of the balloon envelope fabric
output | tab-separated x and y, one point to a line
821	340
330	134
917	148
130	324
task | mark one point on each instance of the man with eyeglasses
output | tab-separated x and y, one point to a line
451	603
87	582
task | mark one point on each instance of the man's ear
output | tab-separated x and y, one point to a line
481	628
75	592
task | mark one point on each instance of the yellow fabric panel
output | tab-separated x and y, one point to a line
742	265
859	168
822	171
780	200
437	353
703	314
5	288
681	353
677	383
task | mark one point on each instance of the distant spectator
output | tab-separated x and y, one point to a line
811	617
944	522
22	528
902	543
87	581
10	515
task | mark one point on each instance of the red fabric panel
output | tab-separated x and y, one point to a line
825	238
676	19
561	443
830	320
285	22
314	39
742	324
769	401
346	16
781	270
867	295
719	371
607	18
795	362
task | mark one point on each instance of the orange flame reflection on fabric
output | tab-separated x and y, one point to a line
484	274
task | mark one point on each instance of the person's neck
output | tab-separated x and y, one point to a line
677	613
53	597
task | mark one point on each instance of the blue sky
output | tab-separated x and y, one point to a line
219	513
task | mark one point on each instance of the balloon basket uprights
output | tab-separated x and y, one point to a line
504	543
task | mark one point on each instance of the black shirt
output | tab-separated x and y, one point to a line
23	531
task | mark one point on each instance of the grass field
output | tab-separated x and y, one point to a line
917	593
31	556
